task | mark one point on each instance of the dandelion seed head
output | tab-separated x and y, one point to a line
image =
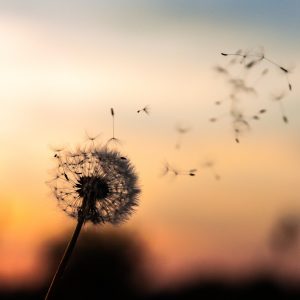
97	182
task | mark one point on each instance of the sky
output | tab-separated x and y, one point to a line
64	64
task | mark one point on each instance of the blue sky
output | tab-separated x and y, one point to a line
259	21
280	14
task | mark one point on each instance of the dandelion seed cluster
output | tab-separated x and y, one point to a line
239	87
98	184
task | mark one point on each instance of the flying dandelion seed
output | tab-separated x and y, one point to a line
91	138
174	172
220	102
113	139
192	172
260	57
240	89
217	118
209	164
260	112
221	70
240	122
145	109
96	185
166	169
278	98
240	125
262	74
181	131
239	85
56	149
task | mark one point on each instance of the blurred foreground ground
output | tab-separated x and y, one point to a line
110	266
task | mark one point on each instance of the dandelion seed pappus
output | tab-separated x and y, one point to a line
98	182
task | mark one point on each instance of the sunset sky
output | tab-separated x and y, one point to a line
64	64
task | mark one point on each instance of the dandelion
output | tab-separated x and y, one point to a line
96	185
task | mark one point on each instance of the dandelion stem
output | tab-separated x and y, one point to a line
68	252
